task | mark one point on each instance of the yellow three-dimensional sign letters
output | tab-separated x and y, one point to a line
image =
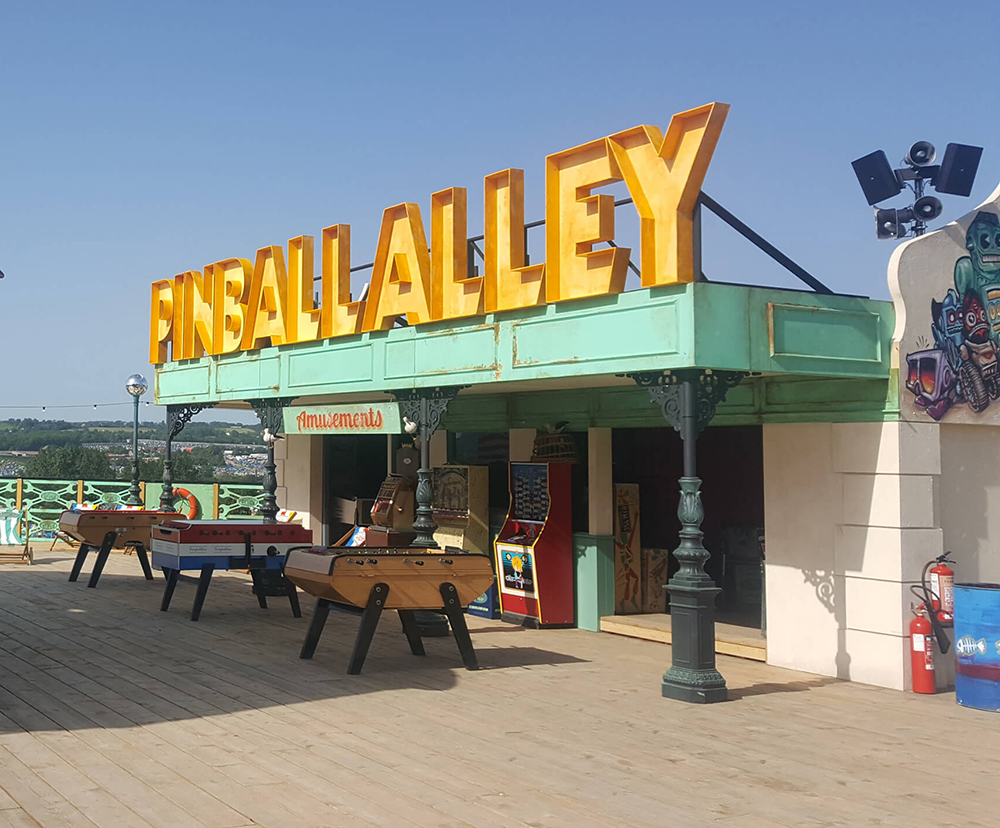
234	305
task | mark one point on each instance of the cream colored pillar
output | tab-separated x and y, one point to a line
439	448
299	462
600	487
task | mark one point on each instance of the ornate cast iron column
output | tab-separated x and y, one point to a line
178	416
269	412
424	407
688	399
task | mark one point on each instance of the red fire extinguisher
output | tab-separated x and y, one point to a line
922	653
936	610
942	587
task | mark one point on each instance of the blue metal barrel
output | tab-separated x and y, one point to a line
977	646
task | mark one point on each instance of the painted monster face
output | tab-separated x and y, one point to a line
952	316
977	331
983	243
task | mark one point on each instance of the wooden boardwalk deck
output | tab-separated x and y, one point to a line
115	714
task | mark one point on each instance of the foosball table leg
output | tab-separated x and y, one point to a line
258	589
143	556
168	591
81	556
102	558
453	609
412	631
369	622
315	628
203	583
293	599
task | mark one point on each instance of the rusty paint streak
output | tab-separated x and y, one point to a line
570	361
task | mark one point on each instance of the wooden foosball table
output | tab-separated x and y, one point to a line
101	530
366	580
208	545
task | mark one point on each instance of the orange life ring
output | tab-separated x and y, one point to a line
192	502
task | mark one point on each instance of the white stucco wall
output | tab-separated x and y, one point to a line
851	517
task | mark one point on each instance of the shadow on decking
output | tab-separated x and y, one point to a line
736	693
75	658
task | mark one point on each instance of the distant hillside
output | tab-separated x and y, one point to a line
33	435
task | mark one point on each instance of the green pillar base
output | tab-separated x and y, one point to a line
694	686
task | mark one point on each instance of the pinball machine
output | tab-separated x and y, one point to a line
208	545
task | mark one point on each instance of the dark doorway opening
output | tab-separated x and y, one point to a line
731	466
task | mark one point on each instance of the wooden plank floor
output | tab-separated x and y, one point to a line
743	642
115	714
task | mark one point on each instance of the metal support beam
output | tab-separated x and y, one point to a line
178	416
758	240
424	407
688	399
269	412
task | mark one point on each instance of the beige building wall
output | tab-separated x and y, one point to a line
969	495
851	517
299	462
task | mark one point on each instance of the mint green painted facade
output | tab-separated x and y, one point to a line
812	358
781	334
594	579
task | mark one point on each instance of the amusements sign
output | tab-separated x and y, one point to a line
236	304
371	418
946	290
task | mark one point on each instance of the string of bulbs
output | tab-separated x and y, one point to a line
93	406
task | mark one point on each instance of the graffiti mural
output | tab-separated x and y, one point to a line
959	365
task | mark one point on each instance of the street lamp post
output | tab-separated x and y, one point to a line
136	386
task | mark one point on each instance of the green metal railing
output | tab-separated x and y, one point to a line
46	500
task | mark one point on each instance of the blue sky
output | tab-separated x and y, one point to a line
141	140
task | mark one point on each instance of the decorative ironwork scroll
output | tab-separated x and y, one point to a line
178	416
423	408
269	412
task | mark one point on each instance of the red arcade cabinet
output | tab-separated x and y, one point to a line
534	550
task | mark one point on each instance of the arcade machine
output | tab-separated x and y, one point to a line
392	514
461	507
534	550
393	510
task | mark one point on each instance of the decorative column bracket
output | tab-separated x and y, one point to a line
688	399
178	416
665	390
424	407
270	412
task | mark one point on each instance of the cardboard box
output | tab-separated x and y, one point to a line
628	566
655	564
